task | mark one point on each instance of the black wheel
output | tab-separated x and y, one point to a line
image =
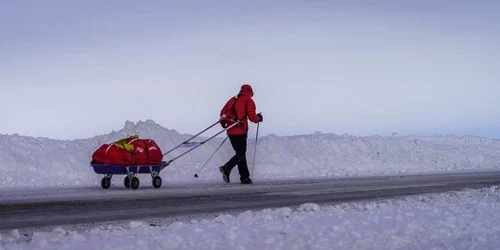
126	182
134	183
157	181
105	182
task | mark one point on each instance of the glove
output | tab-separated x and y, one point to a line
260	117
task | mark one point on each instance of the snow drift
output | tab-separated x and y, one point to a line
35	162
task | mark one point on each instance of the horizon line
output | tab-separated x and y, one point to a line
346	134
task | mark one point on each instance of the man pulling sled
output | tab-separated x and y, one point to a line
239	109
131	156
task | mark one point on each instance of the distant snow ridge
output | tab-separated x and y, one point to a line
39	162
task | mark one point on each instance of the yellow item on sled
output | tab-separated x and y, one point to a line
122	143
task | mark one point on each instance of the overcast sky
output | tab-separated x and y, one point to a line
75	69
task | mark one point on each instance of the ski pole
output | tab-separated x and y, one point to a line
194	136
196	175
201	143
255	148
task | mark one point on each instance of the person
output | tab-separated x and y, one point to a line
240	109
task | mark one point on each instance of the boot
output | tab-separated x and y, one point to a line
225	173
246	180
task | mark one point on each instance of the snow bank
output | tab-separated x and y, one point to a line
36	162
453	220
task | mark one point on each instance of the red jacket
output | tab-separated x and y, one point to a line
245	110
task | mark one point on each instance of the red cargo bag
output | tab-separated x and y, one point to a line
155	156
113	155
140	151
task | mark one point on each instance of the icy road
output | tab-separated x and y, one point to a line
63	206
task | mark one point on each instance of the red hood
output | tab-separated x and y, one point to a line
246	90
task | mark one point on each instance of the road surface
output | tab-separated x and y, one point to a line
64	206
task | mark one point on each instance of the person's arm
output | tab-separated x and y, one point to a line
251	111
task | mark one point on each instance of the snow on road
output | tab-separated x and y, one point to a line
466	219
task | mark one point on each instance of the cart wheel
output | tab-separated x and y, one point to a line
157	181
126	182
134	183
105	182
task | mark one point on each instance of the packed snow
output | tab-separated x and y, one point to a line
41	162
454	220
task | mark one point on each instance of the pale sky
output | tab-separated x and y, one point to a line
75	69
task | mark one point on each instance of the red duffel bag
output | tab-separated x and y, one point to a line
140	151
112	154
155	156
146	151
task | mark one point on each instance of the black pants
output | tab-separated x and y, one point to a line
239	143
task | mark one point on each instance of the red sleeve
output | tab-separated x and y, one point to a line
251	111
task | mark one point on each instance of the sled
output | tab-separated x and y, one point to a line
131	172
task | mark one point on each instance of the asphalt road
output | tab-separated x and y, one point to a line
64	206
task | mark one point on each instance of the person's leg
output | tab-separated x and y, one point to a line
235	143
242	164
244	173
240	150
